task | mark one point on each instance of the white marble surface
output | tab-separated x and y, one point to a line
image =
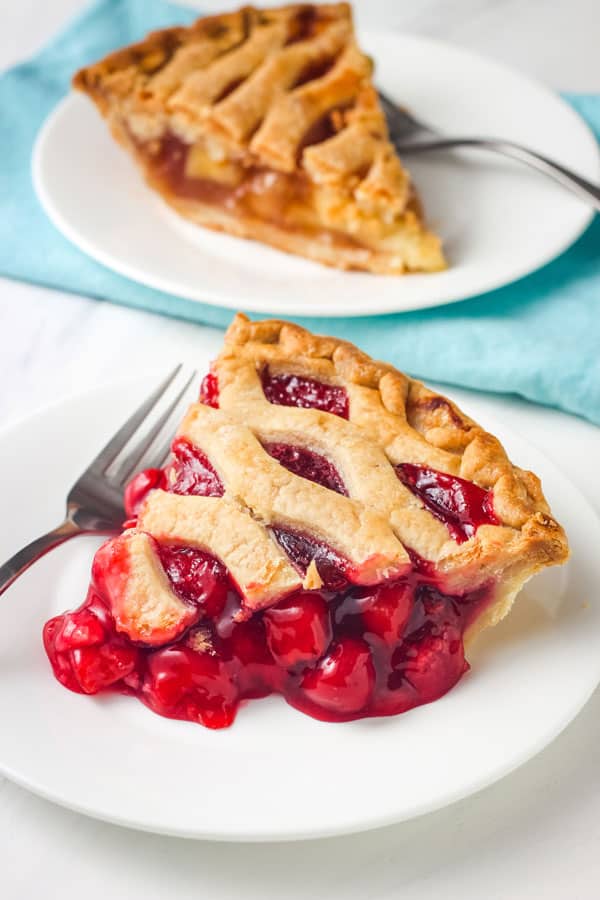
533	835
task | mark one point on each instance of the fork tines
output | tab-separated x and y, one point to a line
145	438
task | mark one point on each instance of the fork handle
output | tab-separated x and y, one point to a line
17	564
584	189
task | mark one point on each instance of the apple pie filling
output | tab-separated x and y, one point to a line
287	200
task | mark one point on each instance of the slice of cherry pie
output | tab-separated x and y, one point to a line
327	529
265	124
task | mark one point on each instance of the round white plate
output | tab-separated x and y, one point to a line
499	221
276	774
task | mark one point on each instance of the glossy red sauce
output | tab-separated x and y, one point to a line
295	390
335	654
461	505
190	472
308	464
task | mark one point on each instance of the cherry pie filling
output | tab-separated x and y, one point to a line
338	653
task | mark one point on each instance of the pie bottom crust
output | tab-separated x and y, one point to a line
504	596
325	248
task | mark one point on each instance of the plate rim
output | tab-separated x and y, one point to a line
228	301
469	786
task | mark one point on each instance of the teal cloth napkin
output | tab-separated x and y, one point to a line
539	337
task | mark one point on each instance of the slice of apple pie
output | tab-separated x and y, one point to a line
265	124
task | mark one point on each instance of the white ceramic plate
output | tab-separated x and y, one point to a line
499	221
276	774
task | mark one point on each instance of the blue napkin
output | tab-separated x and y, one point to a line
539	337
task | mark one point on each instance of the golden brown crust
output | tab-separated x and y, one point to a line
286	89
411	423
473	453
144	58
258	566
277	497
376	523
220	32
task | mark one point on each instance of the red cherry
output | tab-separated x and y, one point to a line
387	612
296	390
96	668
432	665
302	549
344	679
51	628
217	716
249	643
392	701
169	676
94	604
89	626
257	673
308	464
79	629
193	685
209	390
196	577
191	472
139	487
110	567
211	675
298	629
60	662
462	505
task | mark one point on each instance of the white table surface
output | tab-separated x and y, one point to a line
536	833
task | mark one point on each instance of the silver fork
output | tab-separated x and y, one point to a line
411	136
95	502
